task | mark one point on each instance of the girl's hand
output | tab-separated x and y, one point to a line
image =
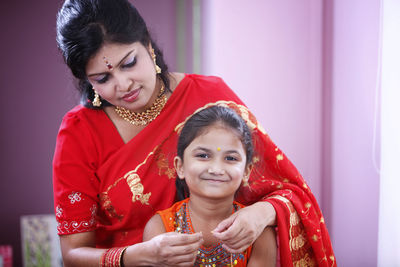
174	249
242	228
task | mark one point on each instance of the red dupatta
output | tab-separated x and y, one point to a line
139	179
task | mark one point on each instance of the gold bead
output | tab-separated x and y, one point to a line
147	116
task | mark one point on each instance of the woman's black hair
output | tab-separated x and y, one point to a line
83	26
199	123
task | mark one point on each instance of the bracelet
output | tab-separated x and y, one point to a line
112	257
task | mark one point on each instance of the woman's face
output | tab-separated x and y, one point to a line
214	163
124	75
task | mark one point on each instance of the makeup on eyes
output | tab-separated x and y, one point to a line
103	79
130	62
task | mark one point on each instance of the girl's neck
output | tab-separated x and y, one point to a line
206	214
210	209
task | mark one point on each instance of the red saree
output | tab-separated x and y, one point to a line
112	188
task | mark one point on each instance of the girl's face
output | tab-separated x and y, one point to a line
214	163
124	75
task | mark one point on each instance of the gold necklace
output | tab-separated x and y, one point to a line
147	116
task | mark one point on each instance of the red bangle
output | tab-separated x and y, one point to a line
112	257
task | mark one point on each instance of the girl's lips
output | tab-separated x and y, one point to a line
215	180
132	96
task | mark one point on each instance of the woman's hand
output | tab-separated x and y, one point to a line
174	249
242	228
168	249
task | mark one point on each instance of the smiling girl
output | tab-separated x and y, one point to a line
214	159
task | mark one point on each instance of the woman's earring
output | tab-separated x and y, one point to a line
96	101
153	56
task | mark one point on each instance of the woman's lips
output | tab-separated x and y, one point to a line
132	95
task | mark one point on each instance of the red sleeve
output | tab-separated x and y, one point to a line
75	183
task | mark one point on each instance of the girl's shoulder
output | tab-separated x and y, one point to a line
168	215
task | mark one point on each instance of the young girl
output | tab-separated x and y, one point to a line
214	158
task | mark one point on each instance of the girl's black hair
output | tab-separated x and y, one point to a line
198	123
83	26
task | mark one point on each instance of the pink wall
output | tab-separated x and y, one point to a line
307	70
160	19
355	183
269	52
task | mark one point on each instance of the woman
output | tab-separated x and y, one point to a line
113	164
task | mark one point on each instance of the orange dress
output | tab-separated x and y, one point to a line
177	219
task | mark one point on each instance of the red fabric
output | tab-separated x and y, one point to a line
173	222
104	185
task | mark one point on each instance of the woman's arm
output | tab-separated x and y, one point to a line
242	228
79	250
264	251
168	249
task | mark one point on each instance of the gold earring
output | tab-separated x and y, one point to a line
246	180
96	100
153	56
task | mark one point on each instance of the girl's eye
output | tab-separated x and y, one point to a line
202	156
103	80
130	63
231	158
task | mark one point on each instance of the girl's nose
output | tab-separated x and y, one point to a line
216	171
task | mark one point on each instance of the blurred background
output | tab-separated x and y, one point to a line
310	71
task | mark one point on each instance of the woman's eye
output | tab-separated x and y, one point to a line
103	80
130	63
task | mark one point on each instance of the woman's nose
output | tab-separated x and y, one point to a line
123	83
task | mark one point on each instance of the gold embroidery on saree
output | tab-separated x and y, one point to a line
108	207
305	261
134	183
243	111
302	254
163	166
137	188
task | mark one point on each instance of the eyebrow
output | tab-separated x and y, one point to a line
232	151
209	150
202	148
119	63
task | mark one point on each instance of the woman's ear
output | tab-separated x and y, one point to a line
178	164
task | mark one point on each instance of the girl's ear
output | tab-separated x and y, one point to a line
178	164
247	173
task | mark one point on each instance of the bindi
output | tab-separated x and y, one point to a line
108	64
